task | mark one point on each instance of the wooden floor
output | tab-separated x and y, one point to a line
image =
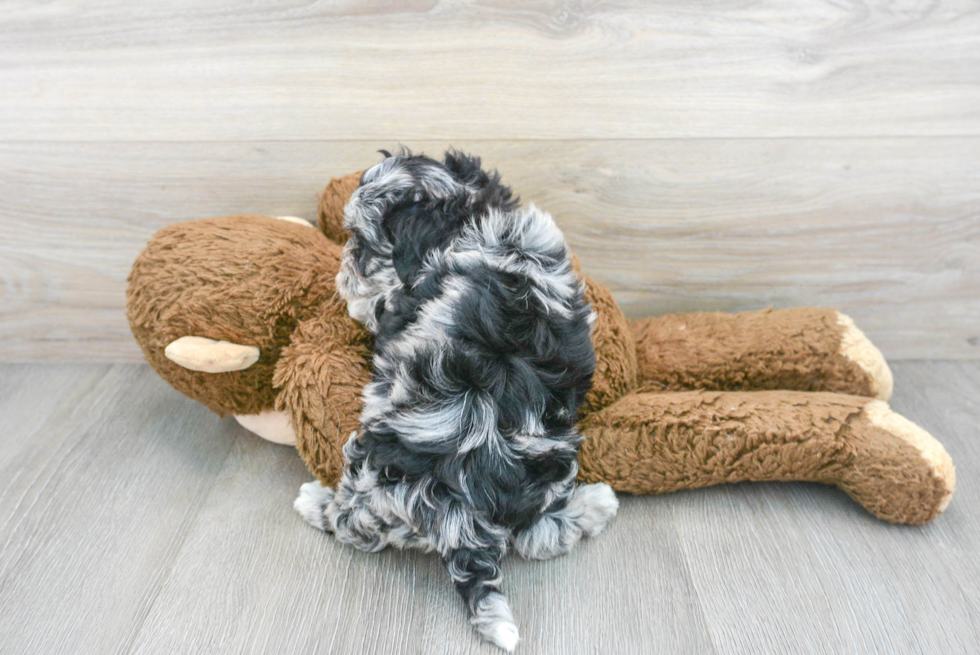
133	520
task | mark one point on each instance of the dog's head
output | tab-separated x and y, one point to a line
406	207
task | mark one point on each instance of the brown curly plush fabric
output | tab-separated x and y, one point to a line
659	442
889	475
615	349
321	375
798	349
244	279
330	210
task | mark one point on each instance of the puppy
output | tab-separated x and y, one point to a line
482	359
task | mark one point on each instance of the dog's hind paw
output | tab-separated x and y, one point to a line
312	503
597	504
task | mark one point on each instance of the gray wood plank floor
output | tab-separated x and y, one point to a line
133	520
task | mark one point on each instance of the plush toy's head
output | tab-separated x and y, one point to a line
212	303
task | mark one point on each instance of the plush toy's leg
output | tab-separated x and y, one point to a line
806	349
582	512
657	442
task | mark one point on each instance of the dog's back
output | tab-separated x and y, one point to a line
478	383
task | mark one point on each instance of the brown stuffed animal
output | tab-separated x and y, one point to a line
241	314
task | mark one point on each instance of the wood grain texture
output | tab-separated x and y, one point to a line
133	521
101	477
886	229
280	586
510	69
802	573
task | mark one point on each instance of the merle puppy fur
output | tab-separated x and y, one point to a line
482	357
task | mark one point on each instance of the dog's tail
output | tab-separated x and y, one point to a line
476	574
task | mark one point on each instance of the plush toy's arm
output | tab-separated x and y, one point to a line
320	377
658	442
806	349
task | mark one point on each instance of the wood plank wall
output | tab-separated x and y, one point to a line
699	156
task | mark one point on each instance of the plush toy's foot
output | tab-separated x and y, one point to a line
856	347
295	219
657	442
805	349
312	504
895	468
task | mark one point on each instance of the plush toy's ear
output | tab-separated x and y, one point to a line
295	219
210	356
330	211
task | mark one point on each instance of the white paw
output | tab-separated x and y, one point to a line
597	504
312	503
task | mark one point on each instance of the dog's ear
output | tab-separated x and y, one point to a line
465	168
415	229
468	170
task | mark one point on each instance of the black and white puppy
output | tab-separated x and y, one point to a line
482	359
